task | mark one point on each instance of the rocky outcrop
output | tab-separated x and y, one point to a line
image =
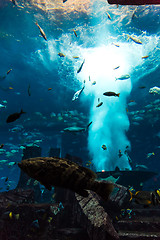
94	218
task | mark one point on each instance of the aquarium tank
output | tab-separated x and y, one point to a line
79	82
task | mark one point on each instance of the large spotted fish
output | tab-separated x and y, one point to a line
60	172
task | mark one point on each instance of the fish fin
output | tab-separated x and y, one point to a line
118	94
22	111
103	189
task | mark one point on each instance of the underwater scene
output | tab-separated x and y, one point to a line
79	120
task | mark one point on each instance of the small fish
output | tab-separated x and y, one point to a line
9	71
110	94
99	104
10	215
144	57
6	179
41	31
78	71
123	77
13	117
108	15
94	83
116	67
146	198
75	57
16	216
49	89
75	33
150	154
1	146
134	39
11	88
60	172
50	218
104	147
116	45
142	87
120	154
77	94
61	54
88	164
29	90
2	106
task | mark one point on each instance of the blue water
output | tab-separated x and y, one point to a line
35	62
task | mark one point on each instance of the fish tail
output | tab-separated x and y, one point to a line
131	195
117	94
103	189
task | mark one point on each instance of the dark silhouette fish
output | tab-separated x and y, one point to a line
60	172
78	71
110	94
13	117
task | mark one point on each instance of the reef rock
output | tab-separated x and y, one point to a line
94	217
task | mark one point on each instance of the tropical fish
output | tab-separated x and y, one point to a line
75	129
77	94
75	33
144	57
123	77
150	154
116	67
78	71
146	197
9	71
108	15
60	172
49	89
41	31
75	57
99	104
94	83
110	94
116	45
104	147
13	117
61	54
134	39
